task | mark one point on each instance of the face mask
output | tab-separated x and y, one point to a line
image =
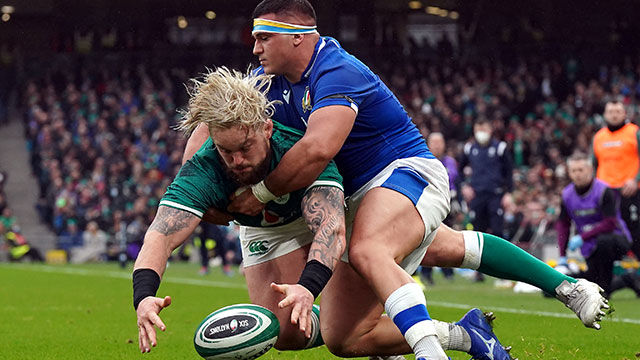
482	137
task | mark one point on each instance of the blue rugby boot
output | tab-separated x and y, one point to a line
484	343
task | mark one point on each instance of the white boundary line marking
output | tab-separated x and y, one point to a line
123	275
227	285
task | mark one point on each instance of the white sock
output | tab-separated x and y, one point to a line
473	246
407	308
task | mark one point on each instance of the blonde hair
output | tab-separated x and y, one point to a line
227	98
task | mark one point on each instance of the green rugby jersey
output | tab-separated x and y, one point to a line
202	183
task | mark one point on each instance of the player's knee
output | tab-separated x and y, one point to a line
338	344
361	257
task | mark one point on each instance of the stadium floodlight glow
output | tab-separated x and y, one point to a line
444	12
182	22
415	5
432	10
7	9
6	17
210	15
454	15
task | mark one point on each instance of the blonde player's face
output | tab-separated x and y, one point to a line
580	172
614	113
244	151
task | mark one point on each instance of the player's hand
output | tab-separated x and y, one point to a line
217	217
301	299
245	203
147	313
629	187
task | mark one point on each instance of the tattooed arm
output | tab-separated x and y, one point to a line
323	211
170	228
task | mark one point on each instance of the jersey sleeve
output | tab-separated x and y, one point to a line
197	187
284	138
342	83
329	177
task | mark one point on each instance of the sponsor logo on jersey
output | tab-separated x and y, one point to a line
282	199
270	218
285	95
614	143
258	247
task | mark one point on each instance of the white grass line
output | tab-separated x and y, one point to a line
123	275
528	312
227	285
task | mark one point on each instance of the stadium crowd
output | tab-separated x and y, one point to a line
544	111
103	149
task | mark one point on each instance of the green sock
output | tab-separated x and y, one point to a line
504	260
316	337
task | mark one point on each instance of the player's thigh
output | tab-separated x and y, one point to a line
349	308
386	224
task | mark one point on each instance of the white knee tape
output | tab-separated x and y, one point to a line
473	245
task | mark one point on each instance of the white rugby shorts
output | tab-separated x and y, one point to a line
424	181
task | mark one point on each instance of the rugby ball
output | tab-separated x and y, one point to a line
238	332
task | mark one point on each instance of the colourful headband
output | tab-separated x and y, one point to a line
277	27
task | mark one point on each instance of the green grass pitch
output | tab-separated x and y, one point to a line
85	312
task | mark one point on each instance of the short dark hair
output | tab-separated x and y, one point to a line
578	156
482	121
284	7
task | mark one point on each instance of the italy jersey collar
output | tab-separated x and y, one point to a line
319	46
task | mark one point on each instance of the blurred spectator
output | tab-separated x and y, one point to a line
615	155
18	246
94	245
437	145
601	234
70	237
490	179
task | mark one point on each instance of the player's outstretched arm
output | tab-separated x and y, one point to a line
170	228
323	211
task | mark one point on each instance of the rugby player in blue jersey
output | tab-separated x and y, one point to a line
398	194
280	253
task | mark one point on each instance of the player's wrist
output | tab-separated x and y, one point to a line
315	277
262	193
145	283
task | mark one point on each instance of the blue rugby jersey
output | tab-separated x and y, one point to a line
382	132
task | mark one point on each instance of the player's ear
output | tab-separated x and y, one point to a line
268	128
297	39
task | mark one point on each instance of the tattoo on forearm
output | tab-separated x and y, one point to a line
169	220
323	210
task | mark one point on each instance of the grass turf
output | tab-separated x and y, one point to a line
81	312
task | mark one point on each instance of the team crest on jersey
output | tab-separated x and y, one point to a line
306	100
